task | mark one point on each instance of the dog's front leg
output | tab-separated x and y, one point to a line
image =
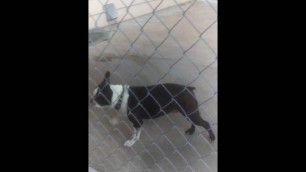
136	136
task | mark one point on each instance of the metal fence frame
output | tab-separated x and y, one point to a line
136	76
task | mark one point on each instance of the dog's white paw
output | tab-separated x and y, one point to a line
114	121
129	143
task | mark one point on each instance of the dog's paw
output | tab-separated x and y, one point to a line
212	137
190	131
129	143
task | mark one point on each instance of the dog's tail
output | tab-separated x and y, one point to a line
191	88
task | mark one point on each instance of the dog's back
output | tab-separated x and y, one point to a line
154	101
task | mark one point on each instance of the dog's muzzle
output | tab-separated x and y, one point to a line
92	102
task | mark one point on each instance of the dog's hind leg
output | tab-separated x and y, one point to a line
193	114
190	130
197	120
181	108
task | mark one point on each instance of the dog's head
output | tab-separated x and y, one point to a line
103	93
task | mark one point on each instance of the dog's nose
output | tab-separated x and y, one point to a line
91	101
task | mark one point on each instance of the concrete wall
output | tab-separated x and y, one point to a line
97	16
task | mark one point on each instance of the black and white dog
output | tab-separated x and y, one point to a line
146	102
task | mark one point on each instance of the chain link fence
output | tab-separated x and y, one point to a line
148	42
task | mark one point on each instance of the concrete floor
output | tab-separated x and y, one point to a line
184	57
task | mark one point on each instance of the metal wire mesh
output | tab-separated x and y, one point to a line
155	42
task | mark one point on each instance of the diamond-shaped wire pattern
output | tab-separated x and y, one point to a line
155	42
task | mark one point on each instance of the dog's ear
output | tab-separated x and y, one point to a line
107	75
105	81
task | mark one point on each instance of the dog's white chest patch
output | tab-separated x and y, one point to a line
117	91
95	91
125	98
